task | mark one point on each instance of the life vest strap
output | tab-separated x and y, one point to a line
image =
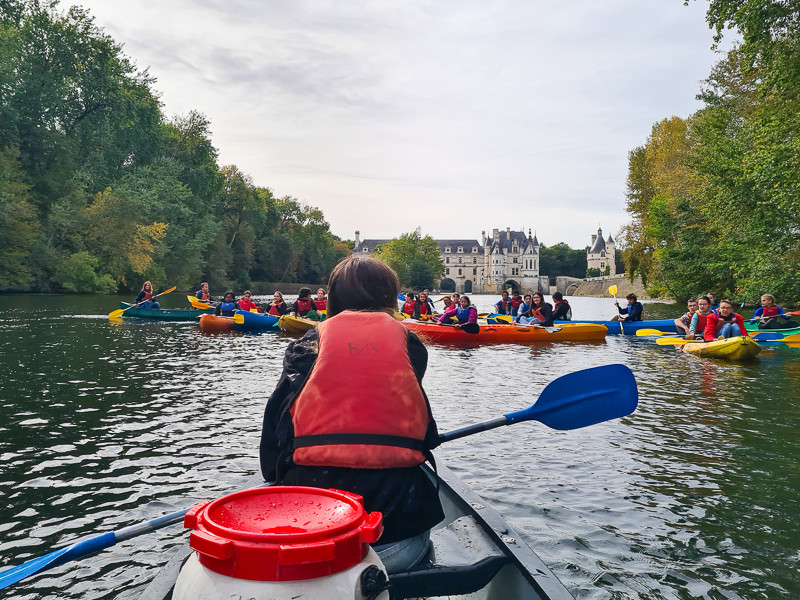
368	439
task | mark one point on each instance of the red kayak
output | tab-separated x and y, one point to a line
514	334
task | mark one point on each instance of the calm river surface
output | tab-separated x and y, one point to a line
695	495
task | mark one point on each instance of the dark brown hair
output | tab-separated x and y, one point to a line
362	283
631	297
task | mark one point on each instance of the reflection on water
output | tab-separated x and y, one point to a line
694	496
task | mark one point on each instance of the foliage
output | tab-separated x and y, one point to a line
715	198
593	272
98	190
414	258
560	259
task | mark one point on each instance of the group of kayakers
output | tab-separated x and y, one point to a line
304	306
530	309
712	321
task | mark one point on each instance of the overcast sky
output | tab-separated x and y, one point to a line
457	116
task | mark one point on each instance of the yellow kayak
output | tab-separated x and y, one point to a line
734	348
296	325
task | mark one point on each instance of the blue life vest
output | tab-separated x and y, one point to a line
227	309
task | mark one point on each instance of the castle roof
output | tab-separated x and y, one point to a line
468	245
599	243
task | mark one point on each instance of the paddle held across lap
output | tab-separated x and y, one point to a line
572	401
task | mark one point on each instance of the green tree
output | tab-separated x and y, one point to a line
412	249
19	224
560	259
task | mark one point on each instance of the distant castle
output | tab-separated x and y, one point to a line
506	260
602	254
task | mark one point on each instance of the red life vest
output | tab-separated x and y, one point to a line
516	303
303	306
273	309
769	313
247	305
424	308
408	307
362	406
702	320
147	296
321	304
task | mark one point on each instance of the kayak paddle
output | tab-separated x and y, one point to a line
198	303
572	401
673	341
118	313
84	548
642	332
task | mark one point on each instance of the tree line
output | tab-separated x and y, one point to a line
99	190
715	198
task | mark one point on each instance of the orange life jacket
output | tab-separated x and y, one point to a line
361	406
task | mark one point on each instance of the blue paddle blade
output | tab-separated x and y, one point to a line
57	557
583	398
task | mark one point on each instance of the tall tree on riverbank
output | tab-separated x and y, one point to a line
720	208
99	191
415	259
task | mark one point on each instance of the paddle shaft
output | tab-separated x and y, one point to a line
119	312
470	429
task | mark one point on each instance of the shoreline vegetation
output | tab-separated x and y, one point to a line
100	190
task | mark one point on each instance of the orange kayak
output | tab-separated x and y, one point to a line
215	324
513	334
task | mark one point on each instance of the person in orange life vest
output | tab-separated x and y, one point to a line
277	307
321	301
245	303
541	312
203	293
503	306
767	315
350	389
463	311
515	303
562	311
682	323
227	307
725	325
145	295
410	305
303	304
699	318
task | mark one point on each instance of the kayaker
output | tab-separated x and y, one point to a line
145	295
713	300
227	307
358	376
632	312
456	298
203	293
463	311
767	315
699	318
524	310
541	311
245	303
410	305
424	307
304	304
428	301
321	301
682	323
516	302
724	325
503	306
277	307
562	311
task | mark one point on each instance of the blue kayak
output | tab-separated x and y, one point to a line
255	321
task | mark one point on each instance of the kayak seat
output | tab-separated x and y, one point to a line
463	559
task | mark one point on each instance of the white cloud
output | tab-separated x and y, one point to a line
457	116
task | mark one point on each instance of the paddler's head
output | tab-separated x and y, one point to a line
362	283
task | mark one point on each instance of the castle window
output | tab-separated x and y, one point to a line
474	271
447	260
474	260
461	248
459	271
447	249
365	249
447	271
460	260
602	265
515	260
474	249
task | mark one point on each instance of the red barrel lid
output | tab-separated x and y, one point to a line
282	533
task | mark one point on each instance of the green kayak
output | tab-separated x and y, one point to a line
164	314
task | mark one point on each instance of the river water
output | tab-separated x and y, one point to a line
695	495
